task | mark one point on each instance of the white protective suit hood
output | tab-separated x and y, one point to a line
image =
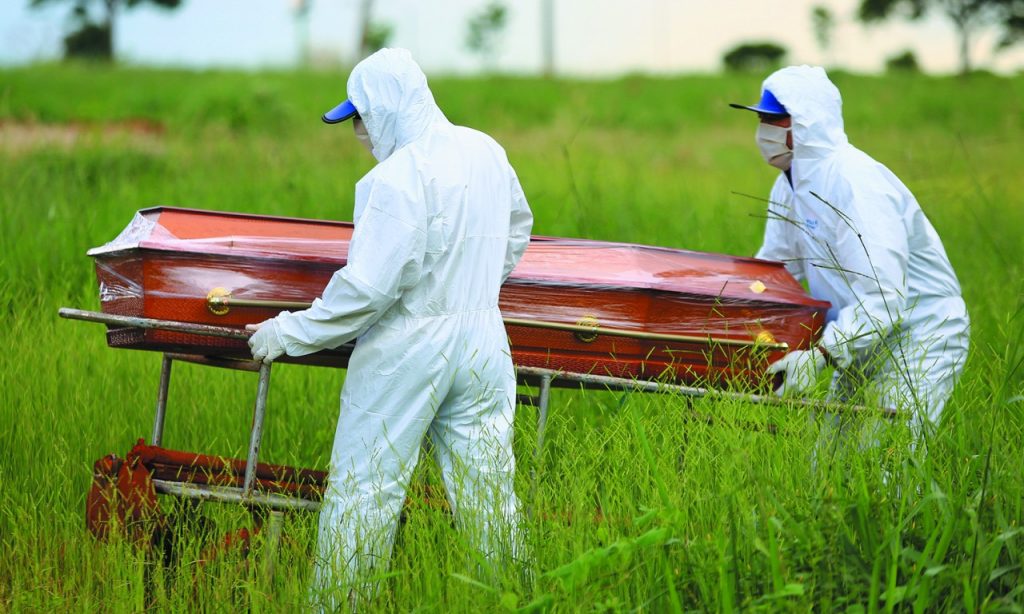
816	108
391	93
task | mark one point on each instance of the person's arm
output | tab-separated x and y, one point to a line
520	225
870	257
779	227
385	258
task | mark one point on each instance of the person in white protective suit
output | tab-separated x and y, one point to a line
440	222
846	225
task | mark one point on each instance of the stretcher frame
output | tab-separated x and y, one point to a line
276	504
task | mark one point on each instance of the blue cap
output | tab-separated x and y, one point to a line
769	105
340	113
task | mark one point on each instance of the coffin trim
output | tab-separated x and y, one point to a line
219	304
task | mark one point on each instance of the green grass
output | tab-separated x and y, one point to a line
693	516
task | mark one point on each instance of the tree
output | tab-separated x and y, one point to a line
968	16
93	39
300	8
905	62
823	23
547	29
484	31
378	36
759	57
373	35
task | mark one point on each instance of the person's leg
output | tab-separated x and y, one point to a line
914	376
922	383
472	437
830	424
383	419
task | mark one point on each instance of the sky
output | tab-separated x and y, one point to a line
593	38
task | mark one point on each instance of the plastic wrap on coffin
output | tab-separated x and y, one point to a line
624	310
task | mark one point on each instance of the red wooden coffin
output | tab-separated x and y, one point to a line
572	305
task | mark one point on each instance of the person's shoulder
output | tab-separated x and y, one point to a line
397	166
399	173
850	167
480	137
853	162
466	131
865	185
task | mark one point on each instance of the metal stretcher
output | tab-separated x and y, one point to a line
275	489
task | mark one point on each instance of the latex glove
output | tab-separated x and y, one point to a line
800	370
265	343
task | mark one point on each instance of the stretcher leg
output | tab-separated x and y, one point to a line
161	401
542	414
542	421
272	532
256	435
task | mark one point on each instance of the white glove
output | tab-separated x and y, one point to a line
800	370
265	343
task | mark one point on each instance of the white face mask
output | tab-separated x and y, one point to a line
771	141
364	137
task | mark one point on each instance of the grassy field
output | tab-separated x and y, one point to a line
693	516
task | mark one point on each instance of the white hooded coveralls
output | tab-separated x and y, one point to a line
440	223
855	233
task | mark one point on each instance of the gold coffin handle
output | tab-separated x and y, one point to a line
591	322
219	301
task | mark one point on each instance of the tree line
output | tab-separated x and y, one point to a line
91	31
